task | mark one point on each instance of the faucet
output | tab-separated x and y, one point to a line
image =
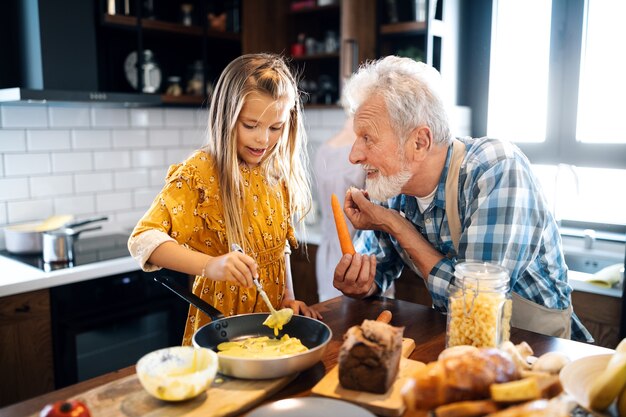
589	236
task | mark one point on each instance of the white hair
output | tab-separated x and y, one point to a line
412	94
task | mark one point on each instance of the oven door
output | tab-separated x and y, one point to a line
102	325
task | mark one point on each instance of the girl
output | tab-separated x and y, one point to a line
244	186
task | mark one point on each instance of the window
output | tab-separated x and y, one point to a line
557	89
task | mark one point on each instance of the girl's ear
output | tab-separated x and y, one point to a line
421	140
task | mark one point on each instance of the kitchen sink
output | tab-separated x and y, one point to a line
591	260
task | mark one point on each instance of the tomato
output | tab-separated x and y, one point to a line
70	408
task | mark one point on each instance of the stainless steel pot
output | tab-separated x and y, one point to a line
27	238
58	244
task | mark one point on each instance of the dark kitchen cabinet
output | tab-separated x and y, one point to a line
183	45
83	45
25	346
324	42
412	28
303	274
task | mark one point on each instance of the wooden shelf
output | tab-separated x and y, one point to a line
314	57
183	100
166	27
316	9
437	28
403	28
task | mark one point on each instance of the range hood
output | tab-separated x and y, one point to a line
19	95
52	48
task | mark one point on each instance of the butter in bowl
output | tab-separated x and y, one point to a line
177	373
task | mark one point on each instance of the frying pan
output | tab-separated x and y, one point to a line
313	334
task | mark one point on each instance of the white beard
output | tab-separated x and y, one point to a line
383	188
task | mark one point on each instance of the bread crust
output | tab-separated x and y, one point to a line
461	377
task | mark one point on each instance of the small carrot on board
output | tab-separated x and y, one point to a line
342	227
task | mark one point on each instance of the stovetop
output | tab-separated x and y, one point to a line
87	250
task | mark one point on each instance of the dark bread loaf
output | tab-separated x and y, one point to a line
369	358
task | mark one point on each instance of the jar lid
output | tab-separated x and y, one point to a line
483	271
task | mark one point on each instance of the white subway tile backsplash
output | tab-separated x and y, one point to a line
148	158
157	177
312	117
321	134
100	161
48	140
127	219
179	118
76	205
51	186
72	162
107	202
130	138
163	137
202	117
3	213
12	140
142	199
26	164
23	116
13	189
176	156
194	137
85	183
111	159
146	117
138	178
332	117
91	139
69	116
30	210
107	117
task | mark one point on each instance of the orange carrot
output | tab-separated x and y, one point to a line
342	228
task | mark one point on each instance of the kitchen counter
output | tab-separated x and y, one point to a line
17	277
339	314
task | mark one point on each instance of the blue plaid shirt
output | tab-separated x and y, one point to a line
504	219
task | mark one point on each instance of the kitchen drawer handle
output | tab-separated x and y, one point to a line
25	308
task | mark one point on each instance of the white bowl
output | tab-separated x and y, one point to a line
177	373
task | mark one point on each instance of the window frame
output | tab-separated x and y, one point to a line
560	146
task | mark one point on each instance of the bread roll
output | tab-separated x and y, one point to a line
459	378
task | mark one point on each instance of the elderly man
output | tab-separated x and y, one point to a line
445	200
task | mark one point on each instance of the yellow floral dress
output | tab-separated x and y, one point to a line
188	208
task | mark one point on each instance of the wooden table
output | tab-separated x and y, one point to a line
424	325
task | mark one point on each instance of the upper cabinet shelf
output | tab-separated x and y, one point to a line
131	22
413	28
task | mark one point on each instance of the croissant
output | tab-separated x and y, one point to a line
459	377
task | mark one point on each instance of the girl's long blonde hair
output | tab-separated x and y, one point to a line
266	74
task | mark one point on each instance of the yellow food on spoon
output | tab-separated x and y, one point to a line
277	319
261	347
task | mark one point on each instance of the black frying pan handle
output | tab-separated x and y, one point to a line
190	297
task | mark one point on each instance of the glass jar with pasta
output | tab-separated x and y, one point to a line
479	305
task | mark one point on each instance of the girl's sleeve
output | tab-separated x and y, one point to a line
169	218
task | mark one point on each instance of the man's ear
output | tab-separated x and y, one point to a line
421	140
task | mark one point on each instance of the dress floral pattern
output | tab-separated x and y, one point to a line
189	209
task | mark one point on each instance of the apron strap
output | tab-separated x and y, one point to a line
452	191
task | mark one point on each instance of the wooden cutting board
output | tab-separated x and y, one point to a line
227	397
389	404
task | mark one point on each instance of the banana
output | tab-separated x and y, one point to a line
621	403
621	347
605	388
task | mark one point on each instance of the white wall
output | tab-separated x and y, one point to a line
84	160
